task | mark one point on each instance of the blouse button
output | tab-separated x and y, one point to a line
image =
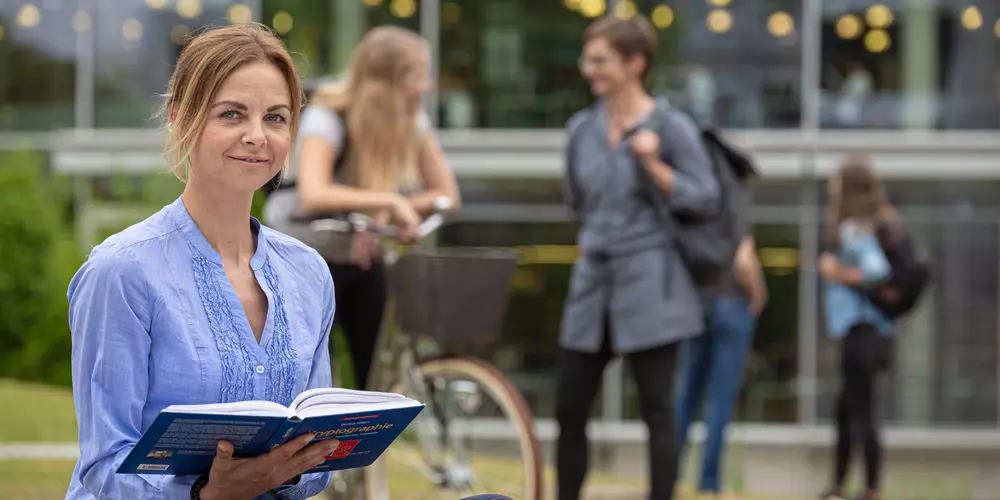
260	369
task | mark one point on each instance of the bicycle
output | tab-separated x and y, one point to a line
437	303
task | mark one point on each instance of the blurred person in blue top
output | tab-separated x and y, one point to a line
855	262
200	303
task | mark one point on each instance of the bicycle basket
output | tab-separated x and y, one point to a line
454	296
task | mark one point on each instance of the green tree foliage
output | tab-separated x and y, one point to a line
37	259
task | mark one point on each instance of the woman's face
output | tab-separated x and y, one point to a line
246	136
418	81
605	69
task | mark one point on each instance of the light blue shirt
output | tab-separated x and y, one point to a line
156	322
846	306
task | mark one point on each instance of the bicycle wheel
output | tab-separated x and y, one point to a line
493	449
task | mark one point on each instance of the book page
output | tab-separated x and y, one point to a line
332	408
248	408
335	395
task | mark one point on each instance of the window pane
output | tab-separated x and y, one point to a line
37	65
136	45
325	32
738	65
509	63
513	63
914	65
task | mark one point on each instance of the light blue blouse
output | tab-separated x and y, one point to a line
156	322
846	306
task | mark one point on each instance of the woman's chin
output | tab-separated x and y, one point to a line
599	89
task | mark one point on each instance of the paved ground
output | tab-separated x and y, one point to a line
39	451
69	451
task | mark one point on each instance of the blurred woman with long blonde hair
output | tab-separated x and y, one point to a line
365	145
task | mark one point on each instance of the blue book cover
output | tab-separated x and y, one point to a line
182	439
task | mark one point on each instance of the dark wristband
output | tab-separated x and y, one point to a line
197	486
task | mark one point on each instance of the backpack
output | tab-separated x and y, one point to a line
708	244
910	273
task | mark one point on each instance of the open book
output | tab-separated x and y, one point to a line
183	438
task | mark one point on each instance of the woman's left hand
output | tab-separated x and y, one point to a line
366	248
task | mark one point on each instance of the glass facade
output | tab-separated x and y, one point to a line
910	64
513	64
894	64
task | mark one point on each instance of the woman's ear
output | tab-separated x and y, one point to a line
171	113
637	64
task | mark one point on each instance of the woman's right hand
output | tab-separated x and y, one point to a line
407	219
245	478
366	248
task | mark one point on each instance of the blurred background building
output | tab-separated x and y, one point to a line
915	83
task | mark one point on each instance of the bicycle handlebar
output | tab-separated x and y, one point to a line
357	222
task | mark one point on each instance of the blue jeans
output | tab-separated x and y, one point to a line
715	359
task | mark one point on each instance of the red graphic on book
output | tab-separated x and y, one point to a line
343	449
361	417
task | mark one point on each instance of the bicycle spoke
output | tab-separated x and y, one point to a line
479	440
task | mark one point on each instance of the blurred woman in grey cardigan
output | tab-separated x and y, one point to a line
630	293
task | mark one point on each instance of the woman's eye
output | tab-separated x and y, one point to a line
275	118
230	115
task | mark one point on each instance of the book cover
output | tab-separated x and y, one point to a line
185	443
363	436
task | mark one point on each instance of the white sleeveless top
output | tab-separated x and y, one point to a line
325	124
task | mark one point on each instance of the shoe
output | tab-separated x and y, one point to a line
832	494
870	495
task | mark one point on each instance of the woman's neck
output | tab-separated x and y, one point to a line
224	219
628	105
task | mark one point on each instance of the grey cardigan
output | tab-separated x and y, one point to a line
628	268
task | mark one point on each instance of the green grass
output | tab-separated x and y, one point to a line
38	480
36	413
41	413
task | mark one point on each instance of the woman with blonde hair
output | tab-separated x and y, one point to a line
859	218
200	303
366	146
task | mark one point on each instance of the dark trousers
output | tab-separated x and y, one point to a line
865	353
580	375
361	297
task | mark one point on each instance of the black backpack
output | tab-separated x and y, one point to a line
706	244
910	273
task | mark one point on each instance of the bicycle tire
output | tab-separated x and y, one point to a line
512	403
